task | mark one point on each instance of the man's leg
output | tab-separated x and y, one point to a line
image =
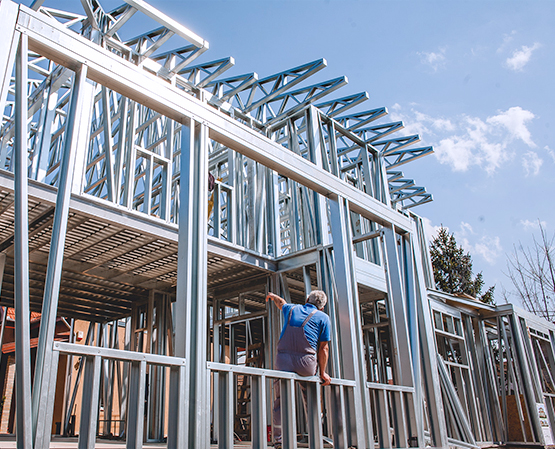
277	412
303	386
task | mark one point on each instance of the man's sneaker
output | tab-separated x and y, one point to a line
277	445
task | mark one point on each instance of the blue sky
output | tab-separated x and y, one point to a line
473	78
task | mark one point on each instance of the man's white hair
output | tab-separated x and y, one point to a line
317	298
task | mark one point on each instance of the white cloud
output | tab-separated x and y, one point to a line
443	124
473	147
507	39
439	124
514	120
462	142
435	60
430	229
521	57
550	152
488	248
530	225
455	151
531	163
466	228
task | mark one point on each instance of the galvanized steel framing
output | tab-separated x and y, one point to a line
105	217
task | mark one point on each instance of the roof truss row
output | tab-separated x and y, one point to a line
65	47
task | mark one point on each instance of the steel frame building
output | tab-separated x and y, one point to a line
106	146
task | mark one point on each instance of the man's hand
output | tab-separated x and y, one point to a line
326	379
278	300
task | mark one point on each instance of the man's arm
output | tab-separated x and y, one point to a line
322	357
278	300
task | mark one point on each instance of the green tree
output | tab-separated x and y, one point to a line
453	268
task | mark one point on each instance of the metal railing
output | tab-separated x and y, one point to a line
225	405
390	403
138	361
259	395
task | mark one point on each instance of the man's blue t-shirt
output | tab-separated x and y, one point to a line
318	327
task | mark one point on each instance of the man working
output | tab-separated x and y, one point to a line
303	345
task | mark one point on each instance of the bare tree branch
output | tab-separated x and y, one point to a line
532	273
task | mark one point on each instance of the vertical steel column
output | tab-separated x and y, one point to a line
339	419
89	401
326	263
382	410
122	139
161	336
401	358
237	207
490	381
368	186
217	356
534	371
226	410
288	413
177	432
259	214
129	335
167	173
130	156
484	417
135	416
314	416
68	374
150	369
397	318
45	367
438	427
251	206
348	314
108	144
294	213
110	370
10	39
44	133
191	297
67	417
381	192
412	298
21	254
315	152
272	212
258	412
531	395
